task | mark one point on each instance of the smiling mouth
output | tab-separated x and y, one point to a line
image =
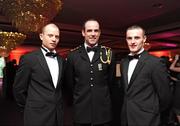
92	39
133	46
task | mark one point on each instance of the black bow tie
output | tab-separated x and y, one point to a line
51	54
92	49
136	56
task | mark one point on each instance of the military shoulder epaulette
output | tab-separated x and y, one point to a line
105	47
75	48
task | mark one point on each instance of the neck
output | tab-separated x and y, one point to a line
46	49
138	52
88	45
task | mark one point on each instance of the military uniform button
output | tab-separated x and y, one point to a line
91	78
91	72
92	85
91	64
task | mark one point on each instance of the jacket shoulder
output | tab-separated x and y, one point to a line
33	53
154	58
75	49
105	47
73	52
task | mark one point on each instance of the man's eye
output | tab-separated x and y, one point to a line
50	35
96	30
89	30
57	37
136	37
128	38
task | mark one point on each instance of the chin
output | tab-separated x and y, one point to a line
52	48
133	51
92	44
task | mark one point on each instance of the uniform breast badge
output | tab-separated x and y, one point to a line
100	67
108	55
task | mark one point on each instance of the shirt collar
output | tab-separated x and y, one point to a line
86	45
54	51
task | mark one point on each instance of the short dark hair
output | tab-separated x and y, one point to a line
136	27
83	28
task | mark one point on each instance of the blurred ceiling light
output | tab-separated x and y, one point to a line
9	41
30	15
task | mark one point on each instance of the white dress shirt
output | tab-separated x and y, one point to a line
53	66
132	65
91	53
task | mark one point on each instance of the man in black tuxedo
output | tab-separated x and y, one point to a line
145	81
38	82
90	73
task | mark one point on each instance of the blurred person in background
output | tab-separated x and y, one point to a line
175	67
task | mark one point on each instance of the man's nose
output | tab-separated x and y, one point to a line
133	40
93	33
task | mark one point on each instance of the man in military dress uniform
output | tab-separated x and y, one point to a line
90	73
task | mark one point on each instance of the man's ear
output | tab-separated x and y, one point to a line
83	34
145	38
40	36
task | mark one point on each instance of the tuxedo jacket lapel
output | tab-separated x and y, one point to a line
83	53
96	55
125	71
44	65
60	63
138	68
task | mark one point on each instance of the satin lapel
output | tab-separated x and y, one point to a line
96	55
138	67
43	63
83	53
125	71
60	63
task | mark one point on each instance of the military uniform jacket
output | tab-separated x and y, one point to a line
35	92
90	82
